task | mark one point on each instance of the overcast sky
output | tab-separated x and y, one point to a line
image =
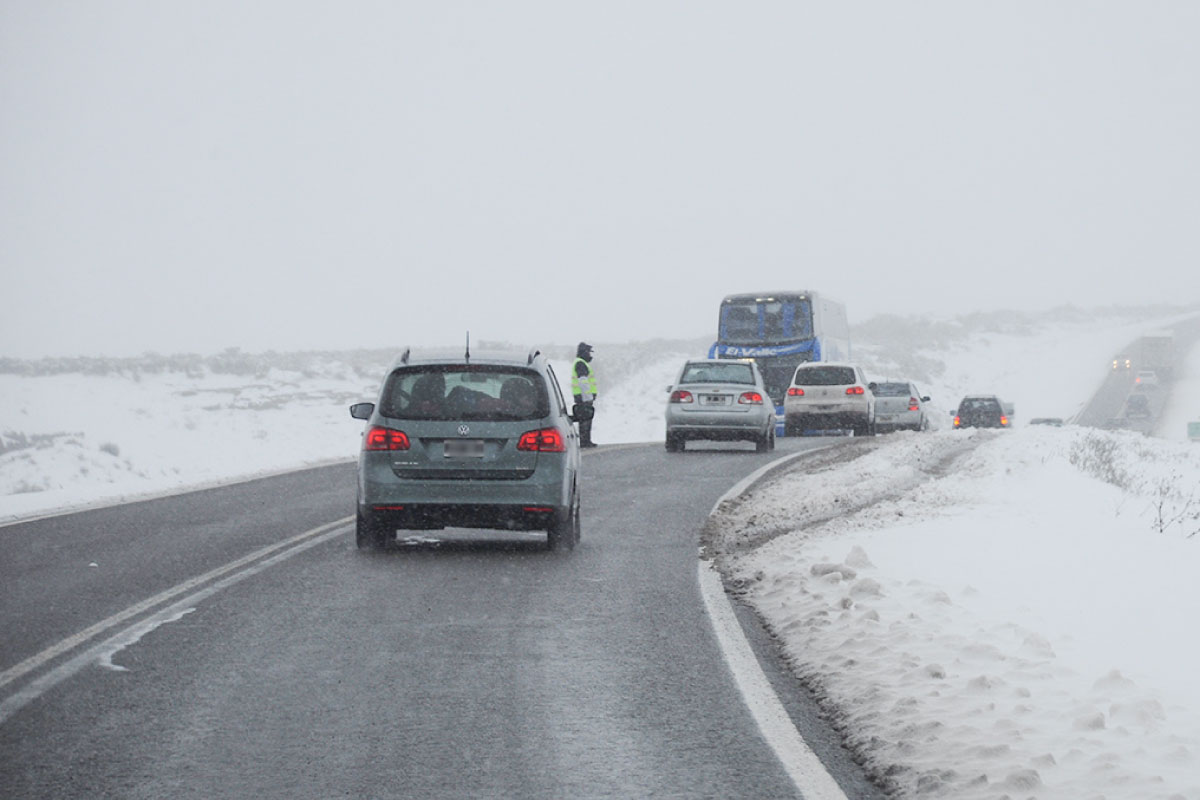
182	176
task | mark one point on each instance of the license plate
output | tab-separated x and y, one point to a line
463	448
713	399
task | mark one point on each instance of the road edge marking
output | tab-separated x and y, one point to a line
13	519
175	611
802	765
35	661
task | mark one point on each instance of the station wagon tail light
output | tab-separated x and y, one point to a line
913	404
751	399
854	390
681	396
957	421
546	440
795	391
380	438
1003	422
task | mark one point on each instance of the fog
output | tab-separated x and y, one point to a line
294	175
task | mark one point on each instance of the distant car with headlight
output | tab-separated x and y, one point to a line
719	399
1145	379
982	411
469	441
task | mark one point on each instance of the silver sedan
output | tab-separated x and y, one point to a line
720	399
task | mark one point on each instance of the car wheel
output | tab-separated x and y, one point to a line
564	535
674	443
368	534
762	443
771	434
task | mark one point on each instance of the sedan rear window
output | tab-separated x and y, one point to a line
892	390
465	391
718	373
825	376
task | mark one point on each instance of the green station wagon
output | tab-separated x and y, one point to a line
473	441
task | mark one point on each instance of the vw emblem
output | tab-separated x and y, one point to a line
463	430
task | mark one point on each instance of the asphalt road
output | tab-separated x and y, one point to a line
481	667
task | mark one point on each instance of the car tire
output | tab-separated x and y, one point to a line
762	442
564	535
771	434
674	443
368	533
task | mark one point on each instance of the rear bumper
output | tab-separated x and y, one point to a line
715	422
379	485
832	415
902	420
434	516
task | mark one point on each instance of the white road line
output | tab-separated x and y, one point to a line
803	766
33	662
36	688
142	497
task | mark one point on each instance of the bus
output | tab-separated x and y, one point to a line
780	331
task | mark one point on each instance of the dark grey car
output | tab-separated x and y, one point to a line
483	441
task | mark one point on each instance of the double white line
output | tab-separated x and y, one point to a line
217	579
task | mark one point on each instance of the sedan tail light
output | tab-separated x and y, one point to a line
914	404
380	438
854	390
546	440
681	396
795	391
1003	422
751	399
957	421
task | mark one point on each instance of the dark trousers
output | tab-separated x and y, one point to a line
585	430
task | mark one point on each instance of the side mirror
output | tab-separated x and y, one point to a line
953	413
872	385
670	389
582	412
925	399
362	410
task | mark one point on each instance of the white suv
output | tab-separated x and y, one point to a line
826	396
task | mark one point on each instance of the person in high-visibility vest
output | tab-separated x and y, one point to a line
583	386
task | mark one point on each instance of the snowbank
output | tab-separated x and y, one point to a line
992	614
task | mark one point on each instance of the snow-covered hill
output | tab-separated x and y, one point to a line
77	431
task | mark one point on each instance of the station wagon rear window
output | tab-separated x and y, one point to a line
825	376
718	373
979	404
466	392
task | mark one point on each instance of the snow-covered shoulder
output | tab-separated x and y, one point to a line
992	613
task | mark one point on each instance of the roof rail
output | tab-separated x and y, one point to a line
534	353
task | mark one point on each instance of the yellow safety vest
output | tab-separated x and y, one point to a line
589	380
